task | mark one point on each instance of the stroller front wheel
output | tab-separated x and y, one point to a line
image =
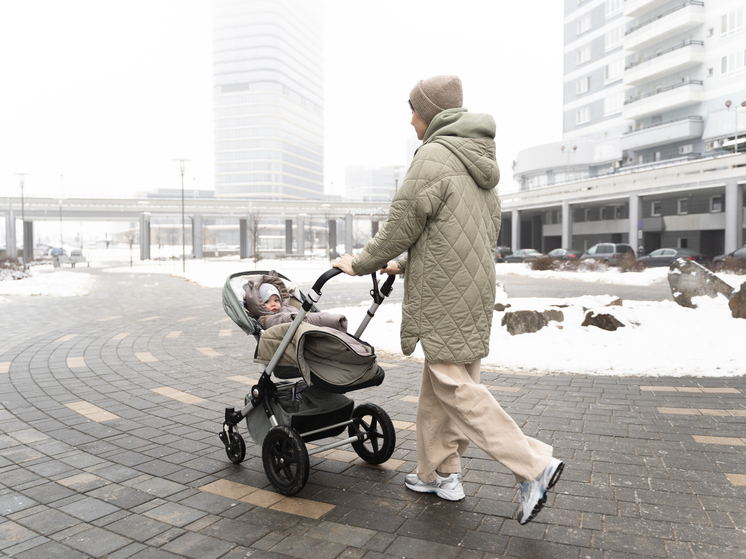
379	438
285	460
236	448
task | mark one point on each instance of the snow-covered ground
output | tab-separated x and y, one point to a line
659	339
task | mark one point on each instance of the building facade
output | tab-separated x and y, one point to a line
372	184
268	99
652	88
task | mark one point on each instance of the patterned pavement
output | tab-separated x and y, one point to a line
110	406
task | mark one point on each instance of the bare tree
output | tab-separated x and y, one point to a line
253	225
131	237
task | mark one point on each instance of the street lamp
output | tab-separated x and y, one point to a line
735	112
183	241
567	167
23	220
396	178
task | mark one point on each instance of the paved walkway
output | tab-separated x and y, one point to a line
110	406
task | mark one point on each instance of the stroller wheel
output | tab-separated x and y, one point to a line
379	439
236	448
285	460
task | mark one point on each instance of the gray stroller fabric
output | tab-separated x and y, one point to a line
335	357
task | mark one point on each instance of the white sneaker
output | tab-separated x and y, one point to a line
534	493
448	488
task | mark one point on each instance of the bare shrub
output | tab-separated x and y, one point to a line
11	269
543	264
732	265
592	265
629	263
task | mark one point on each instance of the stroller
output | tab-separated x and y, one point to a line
306	403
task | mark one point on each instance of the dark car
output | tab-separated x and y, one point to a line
565	254
738	253
666	256
524	255
501	253
611	253
58	252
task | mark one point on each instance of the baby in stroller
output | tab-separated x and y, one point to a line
269	302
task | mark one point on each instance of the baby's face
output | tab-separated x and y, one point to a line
273	304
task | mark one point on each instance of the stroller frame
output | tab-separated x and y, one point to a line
284	453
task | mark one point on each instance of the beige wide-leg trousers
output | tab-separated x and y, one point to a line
454	409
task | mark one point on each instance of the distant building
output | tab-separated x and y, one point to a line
268	91
372	184
646	84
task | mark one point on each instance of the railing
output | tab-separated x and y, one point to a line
647	127
664	14
665	51
663	90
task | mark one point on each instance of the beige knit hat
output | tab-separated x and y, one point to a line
434	95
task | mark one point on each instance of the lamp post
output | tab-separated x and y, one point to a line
396	178
735	121
22	176
61	194
567	166
182	166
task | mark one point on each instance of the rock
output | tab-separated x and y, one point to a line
499	307
605	321
523	322
616	303
688	279
737	303
553	315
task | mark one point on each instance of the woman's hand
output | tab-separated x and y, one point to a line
392	269
345	264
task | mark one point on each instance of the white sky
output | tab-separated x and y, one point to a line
107	93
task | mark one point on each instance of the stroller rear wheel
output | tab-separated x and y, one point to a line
380	436
285	460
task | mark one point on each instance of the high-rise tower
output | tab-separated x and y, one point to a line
268	91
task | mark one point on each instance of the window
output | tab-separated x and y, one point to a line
613	71
614	103
582	85
558	219
732	64
548	218
587	214
583	116
682	242
732	22
716	204
683	150
583	24
583	55
619	212
657	156
612	8
655	209
683	206
613	38
604	213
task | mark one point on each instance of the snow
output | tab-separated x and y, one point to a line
660	338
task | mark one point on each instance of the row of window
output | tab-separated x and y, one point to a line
294	134
275	155
315	155
733	64
266	88
269	166
282	65
267	178
270	109
613	104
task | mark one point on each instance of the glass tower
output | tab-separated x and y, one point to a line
268	92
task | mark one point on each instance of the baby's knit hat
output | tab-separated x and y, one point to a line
266	290
434	95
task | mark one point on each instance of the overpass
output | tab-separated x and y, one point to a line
246	212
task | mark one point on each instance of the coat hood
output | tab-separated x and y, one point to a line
471	137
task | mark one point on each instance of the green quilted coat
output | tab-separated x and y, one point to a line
446	217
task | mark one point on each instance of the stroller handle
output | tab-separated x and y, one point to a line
325	277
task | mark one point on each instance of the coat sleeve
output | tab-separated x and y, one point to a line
408	215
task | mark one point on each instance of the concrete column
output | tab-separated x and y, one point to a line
566	224
197	236
733	215
243	249
300	234
288	236
635	218
11	249
145	236
373	228
332	232
515	230
28	241
349	237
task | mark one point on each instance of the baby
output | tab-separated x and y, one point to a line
268	300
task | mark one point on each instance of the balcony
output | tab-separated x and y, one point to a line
663	99
663	133
667	24
685	55
636	8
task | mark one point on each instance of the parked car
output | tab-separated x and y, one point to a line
612	253
665	256
565	254
738	253
58	252
501	253
524	255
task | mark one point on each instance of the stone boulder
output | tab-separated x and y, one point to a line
528	322
737	303
603	320
687	279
